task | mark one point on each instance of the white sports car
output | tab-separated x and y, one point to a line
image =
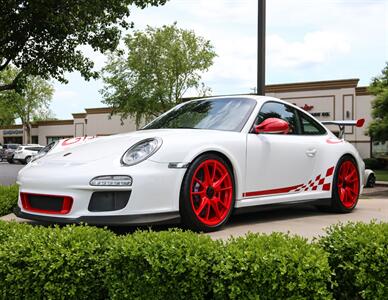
196	163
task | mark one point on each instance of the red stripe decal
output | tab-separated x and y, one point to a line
272	192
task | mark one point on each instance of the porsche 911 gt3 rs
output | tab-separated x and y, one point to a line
196	163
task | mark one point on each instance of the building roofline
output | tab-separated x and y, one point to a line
55	122
312	85
18	126
363	91
99	110
79	115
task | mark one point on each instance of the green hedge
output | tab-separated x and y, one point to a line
8	199
276	266
162	265
53	263
375	163
358	254
80	262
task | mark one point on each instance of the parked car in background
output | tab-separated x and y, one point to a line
369	178
25	153
6	153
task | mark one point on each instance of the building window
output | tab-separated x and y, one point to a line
51	139
34	139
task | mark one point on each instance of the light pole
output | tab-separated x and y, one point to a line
261	47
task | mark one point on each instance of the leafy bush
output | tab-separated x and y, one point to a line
276	266
358	254
80	262
53	263
162	265
8	199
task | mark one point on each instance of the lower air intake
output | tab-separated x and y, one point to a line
108	201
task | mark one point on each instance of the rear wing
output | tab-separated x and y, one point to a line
342	124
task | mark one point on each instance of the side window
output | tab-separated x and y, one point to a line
310	126
280	111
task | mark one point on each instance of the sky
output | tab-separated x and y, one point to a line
307	40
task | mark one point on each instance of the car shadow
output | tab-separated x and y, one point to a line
266	215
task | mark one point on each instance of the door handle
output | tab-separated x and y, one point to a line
311	152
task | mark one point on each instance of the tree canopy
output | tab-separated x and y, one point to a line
378	129
42	37
32	103
159	66
7	115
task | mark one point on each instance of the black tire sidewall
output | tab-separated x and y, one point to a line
336	202
371	180
187	214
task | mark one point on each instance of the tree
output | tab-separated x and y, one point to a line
31	103
42	38
378	128
161	64
7	115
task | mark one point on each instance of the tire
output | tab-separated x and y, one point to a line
11	161
346	185
371	182
27	160
206	203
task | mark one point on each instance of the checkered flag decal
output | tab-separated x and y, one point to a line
319	183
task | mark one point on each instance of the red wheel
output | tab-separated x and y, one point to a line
208	193
347	185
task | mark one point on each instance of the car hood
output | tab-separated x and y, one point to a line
113	147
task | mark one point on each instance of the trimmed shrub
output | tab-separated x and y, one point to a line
275	266
8	199
53	263
80	262
162	265
358	254
375	163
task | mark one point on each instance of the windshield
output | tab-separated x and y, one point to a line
228	114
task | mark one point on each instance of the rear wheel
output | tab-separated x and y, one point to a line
346	185
207	195
27	160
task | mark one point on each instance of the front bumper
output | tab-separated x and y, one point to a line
118	220
154	194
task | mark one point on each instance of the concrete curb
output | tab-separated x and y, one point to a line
382	183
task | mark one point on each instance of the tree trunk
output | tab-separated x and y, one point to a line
27	127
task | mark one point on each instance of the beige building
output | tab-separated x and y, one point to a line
327	100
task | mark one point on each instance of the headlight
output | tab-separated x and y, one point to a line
141	151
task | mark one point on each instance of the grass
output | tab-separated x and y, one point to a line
381	175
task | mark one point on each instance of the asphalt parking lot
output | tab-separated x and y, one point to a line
302	220
8	173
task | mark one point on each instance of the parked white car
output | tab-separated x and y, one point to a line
199	162
369	178
25	153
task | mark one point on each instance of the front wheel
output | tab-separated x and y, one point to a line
207	194
346	185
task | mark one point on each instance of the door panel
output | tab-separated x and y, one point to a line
278	164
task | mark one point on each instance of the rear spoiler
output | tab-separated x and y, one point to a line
342	124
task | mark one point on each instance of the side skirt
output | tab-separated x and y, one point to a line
267	207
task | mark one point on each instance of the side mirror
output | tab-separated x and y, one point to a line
272	125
